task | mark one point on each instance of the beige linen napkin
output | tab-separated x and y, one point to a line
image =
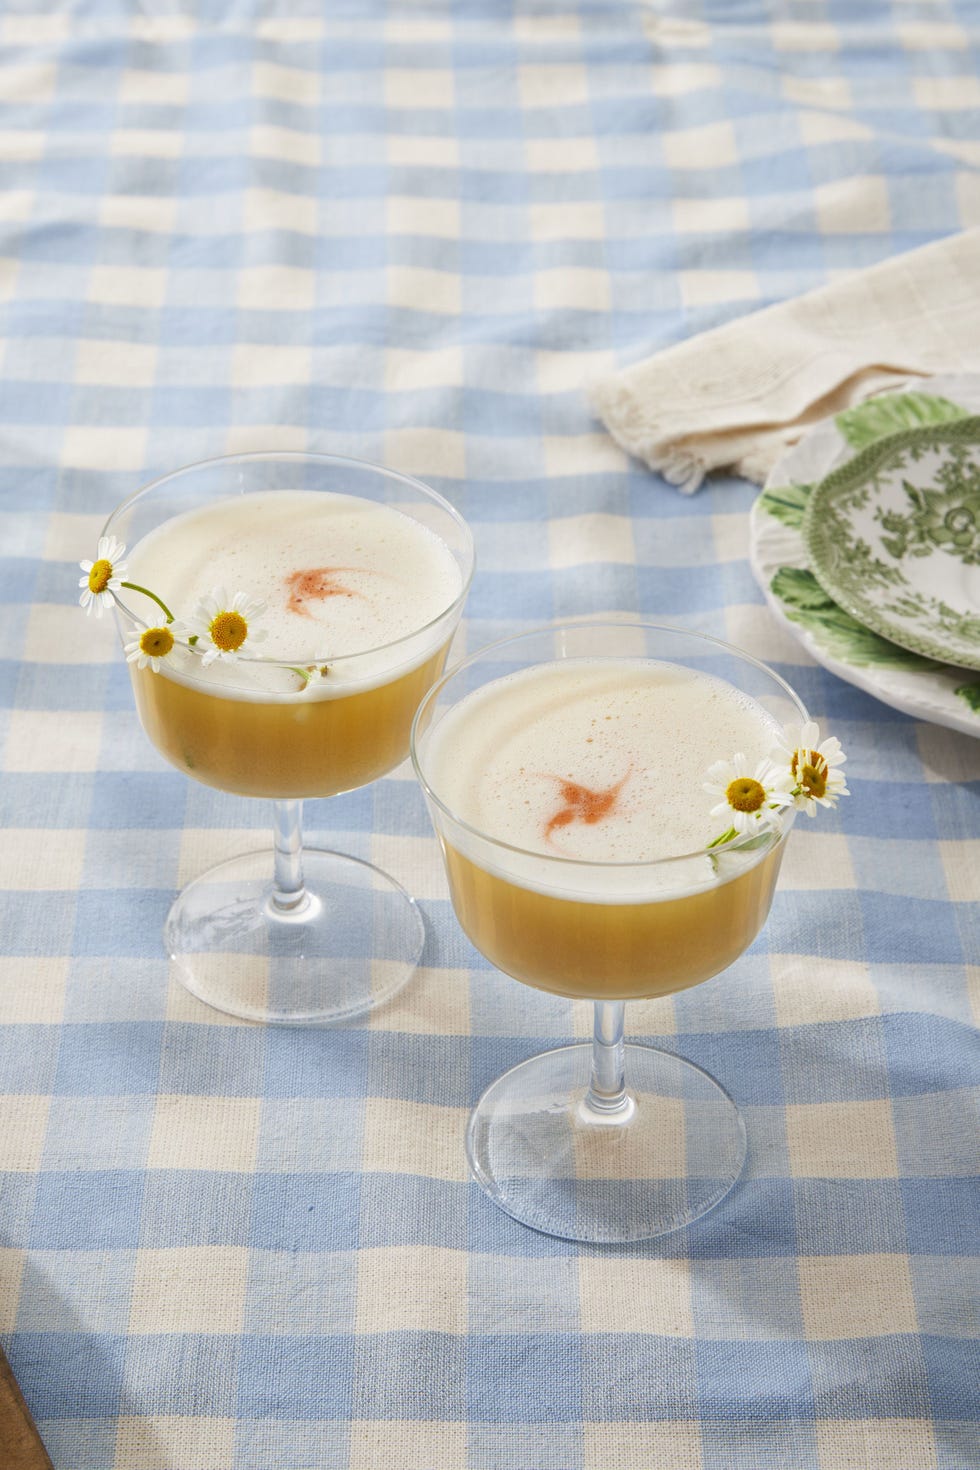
741	394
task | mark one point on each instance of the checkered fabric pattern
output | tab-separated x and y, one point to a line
414	232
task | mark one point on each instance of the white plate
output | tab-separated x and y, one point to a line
918	686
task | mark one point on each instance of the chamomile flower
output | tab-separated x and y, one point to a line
222	625
751	796
102	576
815	779
152	645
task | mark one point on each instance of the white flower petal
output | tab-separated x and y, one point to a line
110	549
832	752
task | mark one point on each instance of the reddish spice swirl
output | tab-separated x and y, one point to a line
583	804
316	584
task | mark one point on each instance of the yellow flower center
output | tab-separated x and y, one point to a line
812	773
228	631
98	577
745	794
156	642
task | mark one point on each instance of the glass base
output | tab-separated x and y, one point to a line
548	1160
348	945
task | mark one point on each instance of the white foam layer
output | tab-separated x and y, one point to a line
598	761
340	576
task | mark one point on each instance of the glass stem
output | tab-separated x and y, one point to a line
607	1098
289	891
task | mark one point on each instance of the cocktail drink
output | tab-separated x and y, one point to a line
283	615
565	773
582	760
335	571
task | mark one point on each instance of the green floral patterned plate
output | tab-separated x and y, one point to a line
924	687
893	536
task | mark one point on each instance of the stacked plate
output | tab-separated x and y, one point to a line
866	543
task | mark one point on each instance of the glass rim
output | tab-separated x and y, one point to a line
341	460
737	844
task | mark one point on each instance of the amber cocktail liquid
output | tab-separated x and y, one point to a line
613	951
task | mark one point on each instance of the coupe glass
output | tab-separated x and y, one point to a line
290	934
605	1142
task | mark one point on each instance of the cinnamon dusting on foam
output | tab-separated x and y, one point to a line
317	584
583	804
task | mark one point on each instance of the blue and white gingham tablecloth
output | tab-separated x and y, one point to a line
414	232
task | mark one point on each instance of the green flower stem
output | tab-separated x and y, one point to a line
725	837
307	674
135	587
